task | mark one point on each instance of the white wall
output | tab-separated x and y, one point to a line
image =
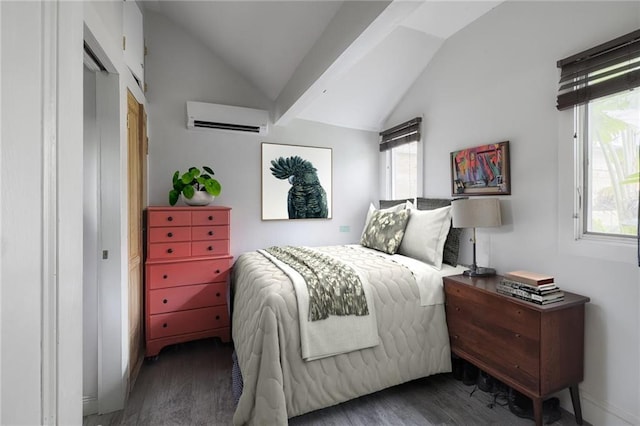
497	80
179	69
41	247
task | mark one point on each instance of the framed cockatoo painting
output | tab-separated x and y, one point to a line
296	182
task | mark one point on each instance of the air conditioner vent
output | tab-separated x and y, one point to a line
226	126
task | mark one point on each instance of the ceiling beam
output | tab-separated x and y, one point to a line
357	27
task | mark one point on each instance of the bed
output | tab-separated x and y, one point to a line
406	304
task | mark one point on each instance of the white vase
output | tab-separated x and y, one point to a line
200	198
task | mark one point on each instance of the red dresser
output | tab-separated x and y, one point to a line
187	267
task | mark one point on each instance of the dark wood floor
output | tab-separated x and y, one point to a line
190	384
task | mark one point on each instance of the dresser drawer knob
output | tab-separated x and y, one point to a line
217	317
165	276
517	366
164	301
170	234
210	232
218	294
165	325
170	250
457	308
170	218
217	271
517	334
455	336
210	248
210	218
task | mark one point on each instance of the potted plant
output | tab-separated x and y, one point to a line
197	188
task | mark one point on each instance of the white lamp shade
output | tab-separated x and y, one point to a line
476	213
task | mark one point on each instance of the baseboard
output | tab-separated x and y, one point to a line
89	405
597	412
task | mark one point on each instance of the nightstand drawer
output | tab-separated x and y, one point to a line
208	248
512	353
162	275
217	232
171	324
169	250
187	297
492	310
169	218
169	234
210	217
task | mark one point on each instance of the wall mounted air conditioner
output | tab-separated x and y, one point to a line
202	115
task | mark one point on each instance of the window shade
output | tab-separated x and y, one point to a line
401	134
603	70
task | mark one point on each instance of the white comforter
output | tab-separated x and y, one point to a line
279	384
336	334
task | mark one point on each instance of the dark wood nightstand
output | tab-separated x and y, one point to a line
535	349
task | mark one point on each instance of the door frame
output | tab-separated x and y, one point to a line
111	111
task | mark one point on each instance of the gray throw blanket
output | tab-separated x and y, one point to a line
334	287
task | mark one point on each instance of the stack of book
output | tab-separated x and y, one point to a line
529	286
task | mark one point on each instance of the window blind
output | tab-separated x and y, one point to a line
401	134
603	70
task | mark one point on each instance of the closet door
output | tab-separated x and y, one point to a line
136	158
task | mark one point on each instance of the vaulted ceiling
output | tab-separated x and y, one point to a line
341	63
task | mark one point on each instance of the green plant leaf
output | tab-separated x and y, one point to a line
187	178
188	191
178	185
213	187
173	197
208	169
176	175
632	178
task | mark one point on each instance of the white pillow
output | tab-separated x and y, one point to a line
398	207
425	235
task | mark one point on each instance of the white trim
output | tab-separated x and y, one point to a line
603	413
49	317
1	217
89	405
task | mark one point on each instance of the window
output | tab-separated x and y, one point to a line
599	85
610	143
400	151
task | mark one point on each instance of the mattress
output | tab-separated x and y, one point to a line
279	384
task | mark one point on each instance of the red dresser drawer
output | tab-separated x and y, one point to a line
162	275
210	217
169	218
168	234
187	297
209	248
217	232
174	323
169	250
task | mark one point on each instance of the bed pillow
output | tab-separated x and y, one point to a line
385	230
425	235
452	244
385	204
401	205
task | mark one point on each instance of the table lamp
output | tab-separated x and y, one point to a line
476	213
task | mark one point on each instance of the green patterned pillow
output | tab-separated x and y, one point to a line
385	230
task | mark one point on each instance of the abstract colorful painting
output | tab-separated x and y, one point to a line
482	170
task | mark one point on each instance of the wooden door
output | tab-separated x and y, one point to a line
136	136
